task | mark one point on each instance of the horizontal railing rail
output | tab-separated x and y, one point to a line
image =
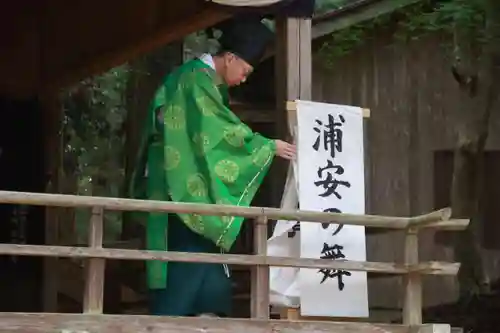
439	219
426	268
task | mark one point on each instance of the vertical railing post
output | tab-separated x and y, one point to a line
94	269
260	273
412	308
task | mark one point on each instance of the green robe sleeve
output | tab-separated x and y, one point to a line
211	156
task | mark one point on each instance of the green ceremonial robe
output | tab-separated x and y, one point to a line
194	149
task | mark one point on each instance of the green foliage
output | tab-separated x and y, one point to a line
94	114
413	22
445	16
325	6
198	43
341	43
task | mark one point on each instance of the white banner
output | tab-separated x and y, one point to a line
331	178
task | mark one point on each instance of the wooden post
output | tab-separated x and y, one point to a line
293	73
260	274
412	308
53	151
94	281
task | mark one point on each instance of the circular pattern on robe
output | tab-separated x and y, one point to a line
201	142
196	185
235	135
261	155
227	170
174	117
194	222
172	158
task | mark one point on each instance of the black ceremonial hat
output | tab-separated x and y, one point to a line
246	37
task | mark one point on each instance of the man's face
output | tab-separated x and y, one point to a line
236	70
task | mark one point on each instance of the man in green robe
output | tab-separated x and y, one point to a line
194	149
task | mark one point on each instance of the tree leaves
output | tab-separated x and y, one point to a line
414	21
94	114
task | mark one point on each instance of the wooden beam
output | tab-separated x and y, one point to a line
430	268
119	204
293	68
293	65
43	323
52	108
412	308
260	274
204	18
93	300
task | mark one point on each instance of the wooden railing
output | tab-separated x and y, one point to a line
93	321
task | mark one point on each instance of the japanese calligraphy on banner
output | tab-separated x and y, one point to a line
331	178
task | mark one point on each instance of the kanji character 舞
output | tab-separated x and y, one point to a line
330	183
333	253
330	134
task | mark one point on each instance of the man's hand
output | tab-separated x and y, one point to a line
285	150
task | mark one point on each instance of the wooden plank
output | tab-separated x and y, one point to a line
430	268
120	204
93	299
294	314
412	307
260	274
433	328
79	323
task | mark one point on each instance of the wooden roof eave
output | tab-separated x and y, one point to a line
206	17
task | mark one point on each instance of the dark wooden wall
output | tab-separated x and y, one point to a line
410	135
21	169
